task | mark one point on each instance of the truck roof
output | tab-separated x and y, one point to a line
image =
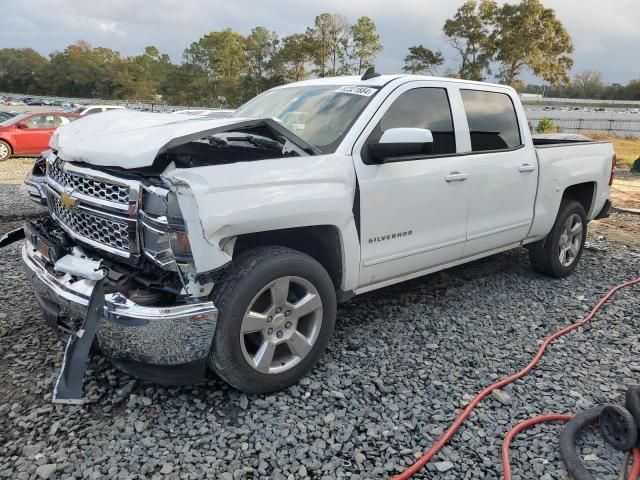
382	80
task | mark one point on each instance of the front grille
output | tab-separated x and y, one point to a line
90	187
106	231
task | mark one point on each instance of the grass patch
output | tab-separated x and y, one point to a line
627	147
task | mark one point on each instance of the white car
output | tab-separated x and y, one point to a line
228	242
93	109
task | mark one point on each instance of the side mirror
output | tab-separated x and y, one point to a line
22	125
396	143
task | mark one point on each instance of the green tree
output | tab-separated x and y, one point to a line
143	76
528	35
421	59
366	44
294	55
218	61
329	38
469	33
83	71
22	70
261	50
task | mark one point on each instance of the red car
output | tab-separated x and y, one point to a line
28	133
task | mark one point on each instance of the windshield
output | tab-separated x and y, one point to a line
13	120
320	115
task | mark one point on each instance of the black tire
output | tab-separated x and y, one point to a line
618	427
254	270
544	255
5	151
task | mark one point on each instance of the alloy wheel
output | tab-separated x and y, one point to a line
281	325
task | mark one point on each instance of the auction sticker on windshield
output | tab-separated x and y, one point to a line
354	90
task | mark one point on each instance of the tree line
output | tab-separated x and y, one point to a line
222	68
226	68
588	84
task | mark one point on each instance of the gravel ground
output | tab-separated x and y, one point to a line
402	362
15	169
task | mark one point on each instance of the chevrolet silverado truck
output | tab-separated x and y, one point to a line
227	243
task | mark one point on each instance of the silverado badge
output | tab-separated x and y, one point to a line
67	200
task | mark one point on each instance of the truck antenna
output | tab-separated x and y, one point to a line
370	73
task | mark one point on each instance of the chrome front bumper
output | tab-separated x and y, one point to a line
34	189
167	336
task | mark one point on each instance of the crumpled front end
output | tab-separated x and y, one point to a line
133	328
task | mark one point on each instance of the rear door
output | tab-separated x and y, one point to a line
412	215
35	138
503	171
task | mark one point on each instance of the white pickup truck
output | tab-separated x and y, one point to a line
229	242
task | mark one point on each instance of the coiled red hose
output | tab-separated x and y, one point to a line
634	473
462	417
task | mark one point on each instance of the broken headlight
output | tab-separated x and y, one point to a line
164	236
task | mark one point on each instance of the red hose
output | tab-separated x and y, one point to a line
506	465
446	436
634	473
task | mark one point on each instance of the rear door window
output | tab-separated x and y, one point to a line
421	108
493	123
41	121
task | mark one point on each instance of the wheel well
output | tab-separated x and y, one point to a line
583	193
321	242
8	143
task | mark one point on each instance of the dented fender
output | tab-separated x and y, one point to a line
223	201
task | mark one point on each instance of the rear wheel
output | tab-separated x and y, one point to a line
5	150
559	253
276	316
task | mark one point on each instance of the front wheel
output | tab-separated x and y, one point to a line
276	316
559	253
5	151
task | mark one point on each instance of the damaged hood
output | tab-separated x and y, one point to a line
129	139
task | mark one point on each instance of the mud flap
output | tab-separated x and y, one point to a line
68	387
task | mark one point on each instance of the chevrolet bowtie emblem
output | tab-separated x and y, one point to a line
67	200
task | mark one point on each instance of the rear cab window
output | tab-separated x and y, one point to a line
423	107
492	119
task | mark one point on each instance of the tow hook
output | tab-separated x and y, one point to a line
68	388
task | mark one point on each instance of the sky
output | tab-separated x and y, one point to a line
606	35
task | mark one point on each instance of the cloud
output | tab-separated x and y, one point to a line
606	38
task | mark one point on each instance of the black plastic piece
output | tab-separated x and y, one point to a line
370	73
632	402
568	443
184	374
12	237
68	388
605	212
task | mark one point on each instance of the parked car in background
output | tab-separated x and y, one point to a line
6	116
38	102
92	109
29	133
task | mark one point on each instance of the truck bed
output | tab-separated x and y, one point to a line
557	139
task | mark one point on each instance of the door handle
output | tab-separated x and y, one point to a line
527	167
456	177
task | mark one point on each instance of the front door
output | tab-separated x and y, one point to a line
412	212
35	138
